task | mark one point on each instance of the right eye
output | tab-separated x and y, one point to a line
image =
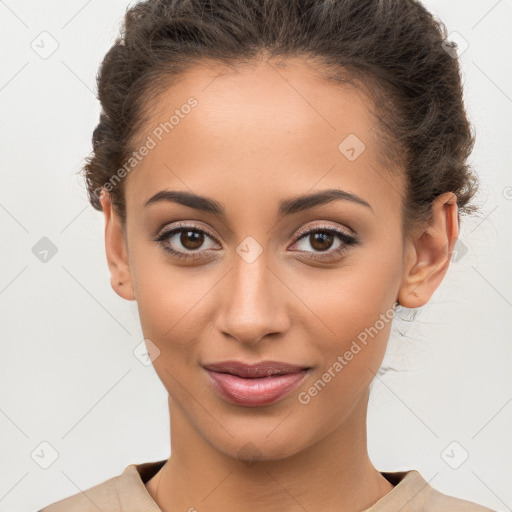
190	237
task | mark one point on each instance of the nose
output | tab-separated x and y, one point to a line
252	305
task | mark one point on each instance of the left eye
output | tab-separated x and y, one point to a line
321	238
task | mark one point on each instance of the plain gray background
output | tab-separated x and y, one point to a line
68	374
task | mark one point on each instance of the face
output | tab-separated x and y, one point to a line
265	280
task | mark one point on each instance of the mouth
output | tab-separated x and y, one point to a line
254	385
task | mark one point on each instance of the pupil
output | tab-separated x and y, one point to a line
322	237
191	239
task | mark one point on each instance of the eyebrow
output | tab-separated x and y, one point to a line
286	207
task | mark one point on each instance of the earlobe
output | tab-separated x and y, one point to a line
427	257
116	251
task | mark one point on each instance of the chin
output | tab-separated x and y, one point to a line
255	444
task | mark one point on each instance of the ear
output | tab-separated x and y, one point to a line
427	256
116	249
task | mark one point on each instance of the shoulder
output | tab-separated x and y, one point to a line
103	496
121	493
412	493
438	501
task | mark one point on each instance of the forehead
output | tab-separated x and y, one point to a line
266	130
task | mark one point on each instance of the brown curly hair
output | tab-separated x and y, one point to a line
393	50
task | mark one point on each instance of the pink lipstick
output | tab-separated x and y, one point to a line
254	385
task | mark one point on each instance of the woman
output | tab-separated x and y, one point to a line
276	179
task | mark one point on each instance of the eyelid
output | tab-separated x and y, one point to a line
182	226
321	225
302	231
344	235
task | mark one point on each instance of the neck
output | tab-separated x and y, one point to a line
335	473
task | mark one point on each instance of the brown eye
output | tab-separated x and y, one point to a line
192	239
328	243
187	242
321	241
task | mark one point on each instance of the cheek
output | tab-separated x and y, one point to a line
171	302
350	358
355	307
169	312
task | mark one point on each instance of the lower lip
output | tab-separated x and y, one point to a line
254	392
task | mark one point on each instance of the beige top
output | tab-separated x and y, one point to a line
127	493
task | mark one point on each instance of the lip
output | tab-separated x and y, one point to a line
254	385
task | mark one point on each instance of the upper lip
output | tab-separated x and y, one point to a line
253	371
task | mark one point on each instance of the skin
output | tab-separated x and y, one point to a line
261	134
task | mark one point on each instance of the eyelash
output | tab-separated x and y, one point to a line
346	239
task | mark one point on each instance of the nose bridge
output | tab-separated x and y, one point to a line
251	308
